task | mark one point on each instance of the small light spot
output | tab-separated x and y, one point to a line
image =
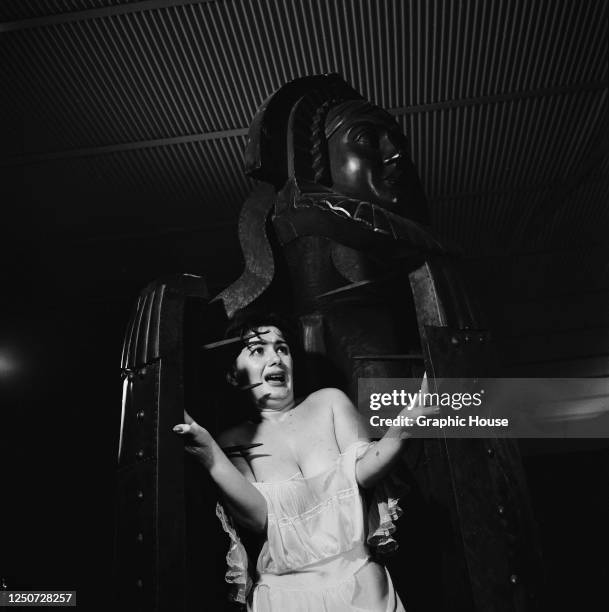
8	363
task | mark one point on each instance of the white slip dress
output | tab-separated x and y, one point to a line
316	557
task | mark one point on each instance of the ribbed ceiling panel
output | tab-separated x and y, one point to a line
141	189
13	10
207	66
193	174
485	223
503	146
504	102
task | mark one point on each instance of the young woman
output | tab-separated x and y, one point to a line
295	474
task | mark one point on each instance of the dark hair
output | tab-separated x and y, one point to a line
245	321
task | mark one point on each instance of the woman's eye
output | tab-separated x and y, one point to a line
256	351
283	349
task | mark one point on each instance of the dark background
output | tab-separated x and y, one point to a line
123	125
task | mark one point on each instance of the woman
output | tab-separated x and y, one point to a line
298	483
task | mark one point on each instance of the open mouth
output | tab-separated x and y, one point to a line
276	378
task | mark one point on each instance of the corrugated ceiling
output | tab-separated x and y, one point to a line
128	118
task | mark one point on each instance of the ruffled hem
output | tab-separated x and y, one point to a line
384	510
236	575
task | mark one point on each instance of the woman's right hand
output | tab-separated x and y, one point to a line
417	408
197	440
245	503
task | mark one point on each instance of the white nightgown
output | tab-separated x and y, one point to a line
316	556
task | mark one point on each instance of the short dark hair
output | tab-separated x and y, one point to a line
244	321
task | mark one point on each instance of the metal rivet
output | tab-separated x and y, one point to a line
454	340
481	338
514	579
140	415
140	537
501	509
490	452
140	494
466	338
142	373
131	376
140	583
140	453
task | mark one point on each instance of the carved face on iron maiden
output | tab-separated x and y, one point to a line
266	359
369	159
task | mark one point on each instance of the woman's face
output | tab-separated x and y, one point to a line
266	359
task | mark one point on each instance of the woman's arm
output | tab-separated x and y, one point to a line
244	502
378	460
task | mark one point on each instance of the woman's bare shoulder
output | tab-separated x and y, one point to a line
342	416
328	394
329	398
324	401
